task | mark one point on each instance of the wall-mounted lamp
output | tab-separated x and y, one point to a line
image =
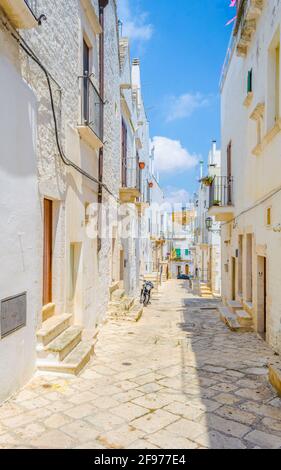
277	228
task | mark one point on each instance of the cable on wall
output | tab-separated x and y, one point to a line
26	48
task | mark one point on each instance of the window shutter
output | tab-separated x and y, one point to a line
250	81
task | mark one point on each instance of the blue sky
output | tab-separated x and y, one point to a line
182	45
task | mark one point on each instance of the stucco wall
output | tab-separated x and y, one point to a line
254	176
20	215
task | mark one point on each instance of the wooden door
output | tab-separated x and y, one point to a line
48	249
233	280
265	296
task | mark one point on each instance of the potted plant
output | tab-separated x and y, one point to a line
207	181
216	202
141	165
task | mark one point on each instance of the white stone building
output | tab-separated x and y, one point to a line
52	262
207	237
250	196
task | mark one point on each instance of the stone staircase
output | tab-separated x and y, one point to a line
60	347
205	291
122	307
235	317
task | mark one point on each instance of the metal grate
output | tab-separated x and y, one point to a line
13	314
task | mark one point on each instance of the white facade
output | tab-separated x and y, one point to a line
251	143
207	241
33	174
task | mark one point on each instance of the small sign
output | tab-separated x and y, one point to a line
13	314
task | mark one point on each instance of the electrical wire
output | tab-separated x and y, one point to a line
254	206
26	48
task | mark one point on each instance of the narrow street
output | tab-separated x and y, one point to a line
176	379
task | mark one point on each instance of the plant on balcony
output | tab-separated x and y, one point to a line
207	181
216	202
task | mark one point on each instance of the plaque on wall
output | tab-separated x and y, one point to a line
13	314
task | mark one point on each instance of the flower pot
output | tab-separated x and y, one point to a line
141	165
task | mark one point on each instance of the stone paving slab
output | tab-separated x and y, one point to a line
176	379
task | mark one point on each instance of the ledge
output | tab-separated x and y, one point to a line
19	13
92	16
88	135
221	213
258	112
248	100
128	195
273	132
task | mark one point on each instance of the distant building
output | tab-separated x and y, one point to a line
207	239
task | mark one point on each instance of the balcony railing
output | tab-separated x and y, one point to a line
92	107
130	174
221	192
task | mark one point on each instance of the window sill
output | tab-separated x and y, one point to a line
248	100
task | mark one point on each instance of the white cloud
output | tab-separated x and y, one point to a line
171	156
176	196
135	25
184	105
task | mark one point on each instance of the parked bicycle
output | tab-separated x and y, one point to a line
146	292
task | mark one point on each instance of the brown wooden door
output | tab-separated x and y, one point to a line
265	295
48	249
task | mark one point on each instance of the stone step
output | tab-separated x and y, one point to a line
73	363
248	306
234	305
119	306
230	319
48	311
135	313
244	318
274	375
61	346
118	294
114	286
52	328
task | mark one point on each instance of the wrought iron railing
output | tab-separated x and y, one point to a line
221	191
91	107
131	174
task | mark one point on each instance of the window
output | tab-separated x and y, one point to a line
250	81
178	252
86	72
268	216
124	153
277	82
186	252
273	90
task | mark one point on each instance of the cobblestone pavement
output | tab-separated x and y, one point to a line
176	379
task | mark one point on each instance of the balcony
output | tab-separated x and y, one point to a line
221	199
21	13
91	126
248	13
129	193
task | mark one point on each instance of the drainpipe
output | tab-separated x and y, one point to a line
102	5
